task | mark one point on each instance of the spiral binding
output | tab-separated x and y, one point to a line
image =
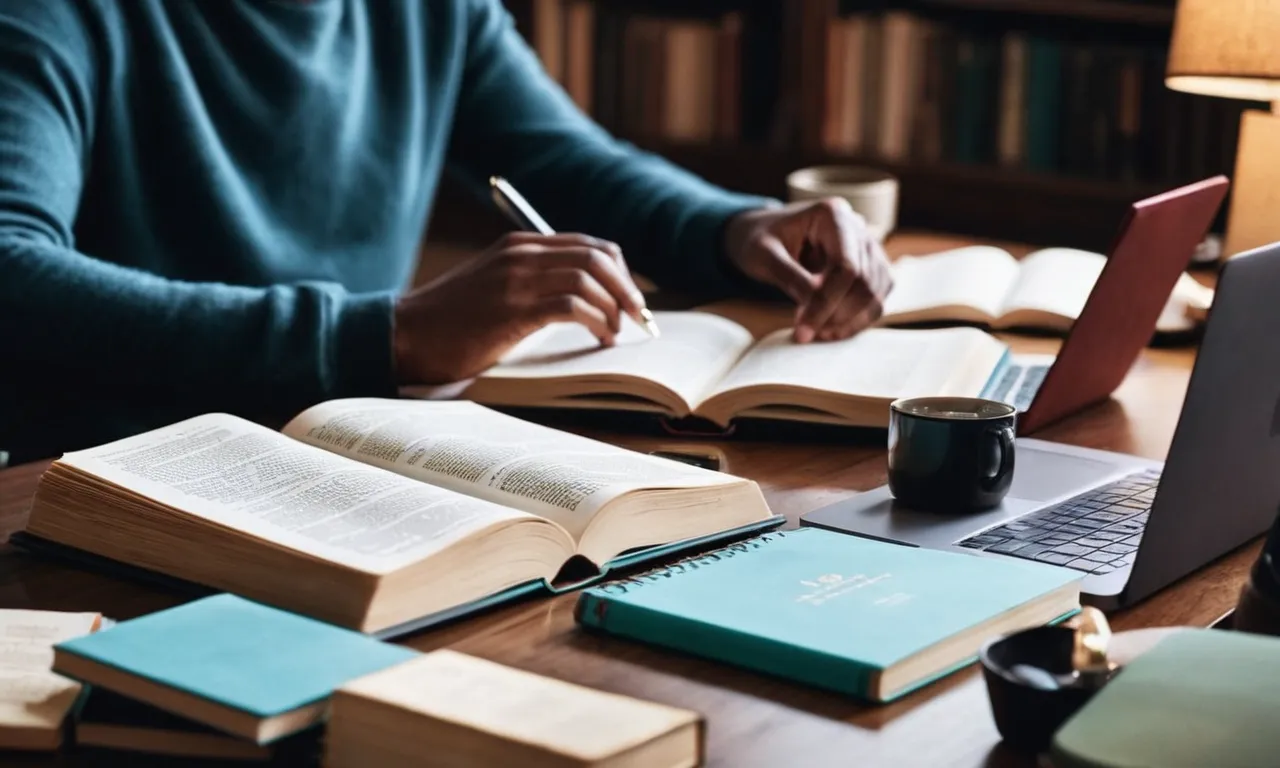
688	564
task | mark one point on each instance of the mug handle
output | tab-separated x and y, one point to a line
1004	441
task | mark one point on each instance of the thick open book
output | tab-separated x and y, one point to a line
373	514
987	286
712	367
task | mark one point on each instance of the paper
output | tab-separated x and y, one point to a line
471	449
694	351
244	476
31	696
877	363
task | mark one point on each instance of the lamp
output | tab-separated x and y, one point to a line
1231	48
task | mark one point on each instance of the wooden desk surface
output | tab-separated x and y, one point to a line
753	720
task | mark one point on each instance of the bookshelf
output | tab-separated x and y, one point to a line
1028	120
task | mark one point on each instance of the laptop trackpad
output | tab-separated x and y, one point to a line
1043	472
1041	475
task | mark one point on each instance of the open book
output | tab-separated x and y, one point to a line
373	514
987	286
710	366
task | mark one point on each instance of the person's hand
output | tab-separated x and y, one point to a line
463	322
821	255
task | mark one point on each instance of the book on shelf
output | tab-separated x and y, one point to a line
110	722
243	668
896	82
865	618
34	701
379	515
477	712
1046	290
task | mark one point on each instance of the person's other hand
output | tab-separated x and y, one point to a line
821	255
460	324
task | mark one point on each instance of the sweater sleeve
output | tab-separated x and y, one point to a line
197	346
515	121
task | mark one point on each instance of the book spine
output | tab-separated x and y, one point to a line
605	609
1044	91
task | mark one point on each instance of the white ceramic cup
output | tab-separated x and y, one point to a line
871	192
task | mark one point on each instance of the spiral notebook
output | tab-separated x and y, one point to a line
859	617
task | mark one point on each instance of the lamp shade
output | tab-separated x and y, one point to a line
1227	48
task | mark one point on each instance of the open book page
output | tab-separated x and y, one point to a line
883	363
693	351
978	278
246	477
32	696
1055	281
472	449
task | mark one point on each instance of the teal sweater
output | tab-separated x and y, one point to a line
211	204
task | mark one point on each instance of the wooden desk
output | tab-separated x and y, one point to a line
753	720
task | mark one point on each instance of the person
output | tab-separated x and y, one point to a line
217	206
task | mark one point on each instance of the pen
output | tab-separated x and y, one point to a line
513	204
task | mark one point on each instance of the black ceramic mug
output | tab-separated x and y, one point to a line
950	454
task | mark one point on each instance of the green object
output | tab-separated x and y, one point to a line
211	206
1044	104
1199	698
820	608
241	654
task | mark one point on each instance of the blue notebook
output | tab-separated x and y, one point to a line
235	665
864	618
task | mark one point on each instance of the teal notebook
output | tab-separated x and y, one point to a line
860	617
239	666
1201	697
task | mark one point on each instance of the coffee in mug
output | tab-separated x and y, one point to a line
951	454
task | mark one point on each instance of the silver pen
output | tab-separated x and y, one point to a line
516	208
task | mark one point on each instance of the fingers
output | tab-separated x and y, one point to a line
579	283
854	280
836	283
859	311
785	272
568	308
619	282
603	269
563	239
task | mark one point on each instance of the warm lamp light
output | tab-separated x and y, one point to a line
1231	48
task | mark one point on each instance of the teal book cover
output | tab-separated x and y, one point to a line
1044	96
864	618
244	655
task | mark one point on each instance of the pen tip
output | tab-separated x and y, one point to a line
493	180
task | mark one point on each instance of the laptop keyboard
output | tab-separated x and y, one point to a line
1096	532
1027	380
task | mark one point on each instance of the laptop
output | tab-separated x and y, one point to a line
1130	525
1157	239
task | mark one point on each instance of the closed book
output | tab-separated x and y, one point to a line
450	709
115	725
860	617
1198	698
241	667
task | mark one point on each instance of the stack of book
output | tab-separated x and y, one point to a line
229	679
35	702
220	677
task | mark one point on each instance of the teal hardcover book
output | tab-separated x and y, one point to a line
860	617
236	665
